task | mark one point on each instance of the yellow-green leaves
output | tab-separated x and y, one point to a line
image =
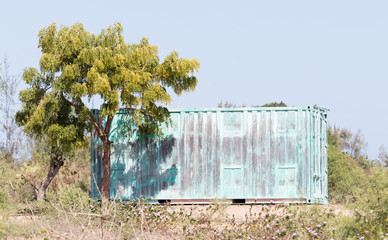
58	134
155	93
40	117
75	64
49	62
112	36
31	75
99	65
47	38
71	73
97	83
178	73
143	56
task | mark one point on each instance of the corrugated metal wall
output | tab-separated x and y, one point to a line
259	154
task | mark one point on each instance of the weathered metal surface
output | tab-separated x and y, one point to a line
250	153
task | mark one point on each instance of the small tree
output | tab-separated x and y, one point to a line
45	115
8	86
352	143
125	76
383	156
274	104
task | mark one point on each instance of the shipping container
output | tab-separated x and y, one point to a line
242	155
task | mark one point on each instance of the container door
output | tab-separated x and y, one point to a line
319	170
232	183
232	155
287	185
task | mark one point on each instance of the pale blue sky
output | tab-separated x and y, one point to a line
330	53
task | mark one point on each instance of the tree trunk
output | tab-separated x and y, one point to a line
103	133
55	164
105	182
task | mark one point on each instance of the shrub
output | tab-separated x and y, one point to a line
344	176
70	197
4	201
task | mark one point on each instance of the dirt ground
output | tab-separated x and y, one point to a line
219	213
241	211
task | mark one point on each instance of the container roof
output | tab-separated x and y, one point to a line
240	109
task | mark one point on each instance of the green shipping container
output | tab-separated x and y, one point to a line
244	155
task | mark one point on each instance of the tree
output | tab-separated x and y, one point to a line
8	86
342	174
274	104
352	143
383	156
227	104
125	76
46	116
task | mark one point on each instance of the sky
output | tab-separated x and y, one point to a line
330	53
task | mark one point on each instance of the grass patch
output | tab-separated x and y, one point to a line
138	220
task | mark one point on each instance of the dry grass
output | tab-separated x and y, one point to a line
144	221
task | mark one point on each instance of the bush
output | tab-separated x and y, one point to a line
344	176
363	187
4	201
70	197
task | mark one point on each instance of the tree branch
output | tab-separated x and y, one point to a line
93	119
97	126
107	127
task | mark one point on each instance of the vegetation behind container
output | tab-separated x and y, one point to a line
242	155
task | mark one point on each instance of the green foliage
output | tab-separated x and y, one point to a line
355	182
122	74
351	143
227	104
344	177
75	171
374	198
274	104
383	156
70	197
46	115
18	180
3	199
7	194
77	65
